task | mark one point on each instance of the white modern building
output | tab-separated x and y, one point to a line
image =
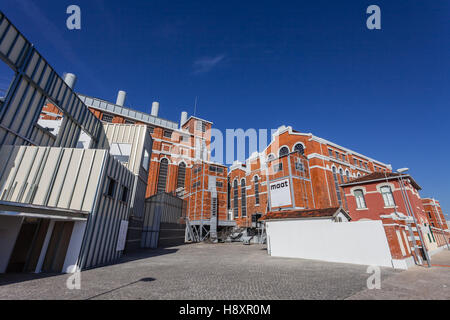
69	187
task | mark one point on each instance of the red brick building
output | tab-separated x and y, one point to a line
395	200
436	217
314	168
180	160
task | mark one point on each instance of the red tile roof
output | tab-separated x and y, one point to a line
309	213
377	176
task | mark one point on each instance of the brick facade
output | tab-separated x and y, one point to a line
394	199
316	188
186	147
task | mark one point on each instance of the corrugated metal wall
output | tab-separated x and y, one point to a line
42	137
140	140
163	221
102	231
50	176
34	83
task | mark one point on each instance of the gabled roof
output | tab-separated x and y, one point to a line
326	213
380	176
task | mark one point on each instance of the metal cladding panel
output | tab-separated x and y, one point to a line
49	169
136	135
95	174
60	178
160	208
140	139
36	81
125	112
72	173
100	242
49	176
42	137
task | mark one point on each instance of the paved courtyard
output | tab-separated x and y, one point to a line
209	271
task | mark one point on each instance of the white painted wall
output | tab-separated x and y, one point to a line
73	250
9	230
362	242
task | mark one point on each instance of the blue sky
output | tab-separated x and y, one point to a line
260	64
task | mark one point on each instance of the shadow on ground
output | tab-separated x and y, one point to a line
138	254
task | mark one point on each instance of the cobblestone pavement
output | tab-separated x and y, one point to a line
416	283
201	271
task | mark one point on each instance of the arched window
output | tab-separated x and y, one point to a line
336	185
347	173
235	199
283	151
181	175
162	177
256	190
341	173
360	201
299	148
386	192
243	198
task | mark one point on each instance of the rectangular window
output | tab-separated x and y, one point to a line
124	196
145	160
299	165
197	169
111	189
219	170
212	168
107	118
184	138
356	162
360	201
219	184
120	151
167	134
129	121
330	152
257	192
386	192
278	167
199	125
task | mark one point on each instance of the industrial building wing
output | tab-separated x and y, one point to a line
83	180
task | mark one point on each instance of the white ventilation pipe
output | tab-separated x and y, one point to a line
183	119
155	108
70	79
121	95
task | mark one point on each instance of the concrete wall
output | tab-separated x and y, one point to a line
361	242
9	229
73	251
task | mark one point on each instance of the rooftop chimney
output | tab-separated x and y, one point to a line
121	95
155	108
70	79
183	119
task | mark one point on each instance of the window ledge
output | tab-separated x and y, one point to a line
361	209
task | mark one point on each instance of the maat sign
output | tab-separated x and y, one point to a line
280	193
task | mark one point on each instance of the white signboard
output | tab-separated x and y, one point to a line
280	193
122	235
